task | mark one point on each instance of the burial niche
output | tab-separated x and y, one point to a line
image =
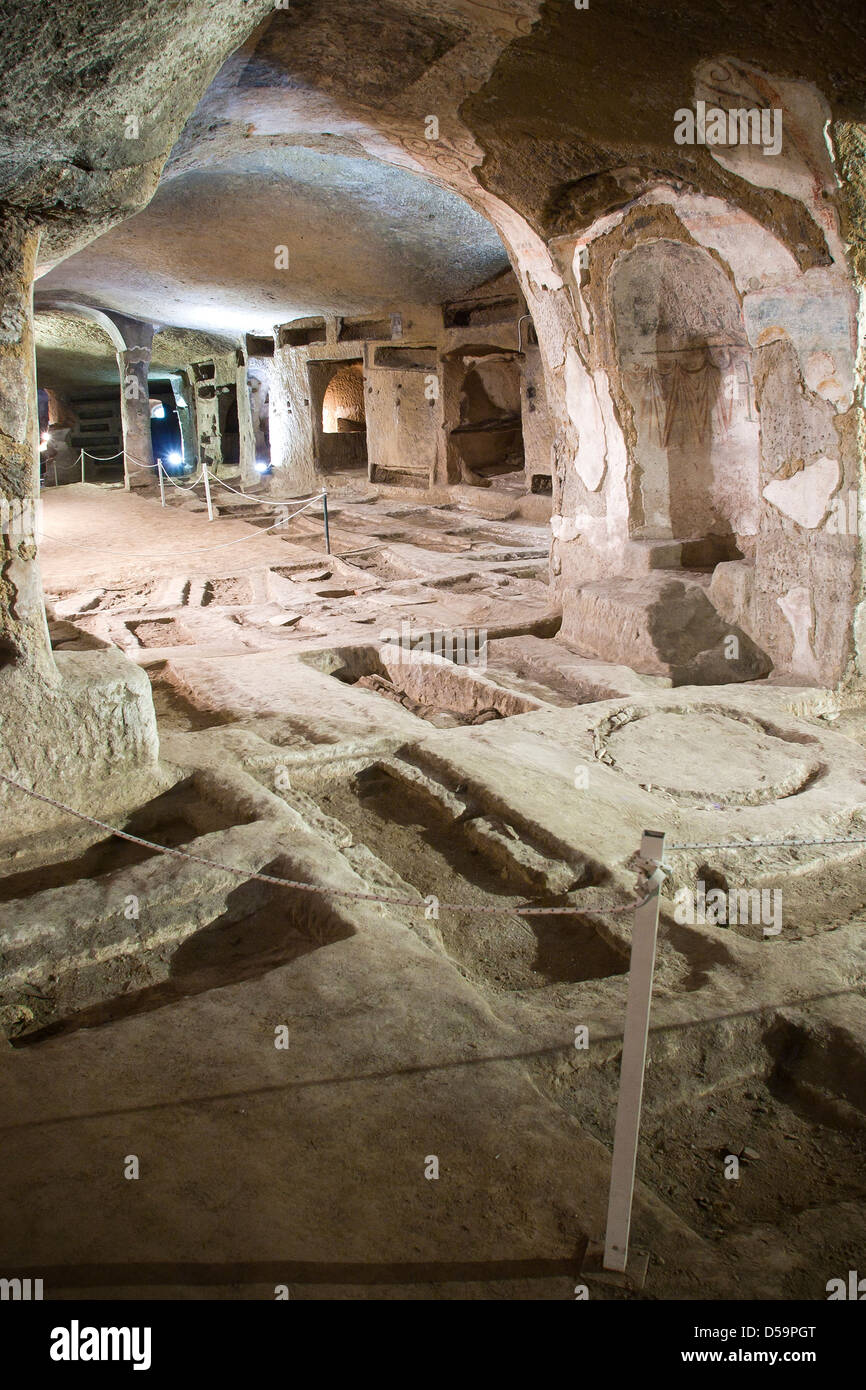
488	437
339	415
684	360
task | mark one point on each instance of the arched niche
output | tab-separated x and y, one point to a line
684	363
339	414
343	404
485	432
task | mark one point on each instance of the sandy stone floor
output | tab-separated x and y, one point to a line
142	993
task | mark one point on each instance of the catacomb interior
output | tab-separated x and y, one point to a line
427	464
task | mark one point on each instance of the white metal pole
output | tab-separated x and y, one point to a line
82	465
634	1045
327	526
207	493
161	481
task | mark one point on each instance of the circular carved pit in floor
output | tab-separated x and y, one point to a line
706	755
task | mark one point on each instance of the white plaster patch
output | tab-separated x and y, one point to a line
578	262
617	463
583	408
754	254
805	497
803	169
583	309
528	251
796	605
860	634
592	530
564	528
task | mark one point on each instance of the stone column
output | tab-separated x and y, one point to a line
184	401
247	458
207	424
77	726
226	393
24	641
291	424
62	463
133	363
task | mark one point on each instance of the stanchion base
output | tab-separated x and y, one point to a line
634	1276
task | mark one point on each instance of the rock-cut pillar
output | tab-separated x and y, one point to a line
24	640
133	363
78	726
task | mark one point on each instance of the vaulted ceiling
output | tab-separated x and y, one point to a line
168	151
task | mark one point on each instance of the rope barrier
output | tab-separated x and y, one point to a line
107	458
248	874
184	487
775	844
227	486
278	501
143	467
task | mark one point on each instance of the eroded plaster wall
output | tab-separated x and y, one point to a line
718	400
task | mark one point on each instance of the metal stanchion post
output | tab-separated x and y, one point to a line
613	1260
82	465
325	516
206	477
161	482
634	1044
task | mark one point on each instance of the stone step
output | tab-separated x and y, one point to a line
645	555
661	624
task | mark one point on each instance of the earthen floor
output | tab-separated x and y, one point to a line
297	739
